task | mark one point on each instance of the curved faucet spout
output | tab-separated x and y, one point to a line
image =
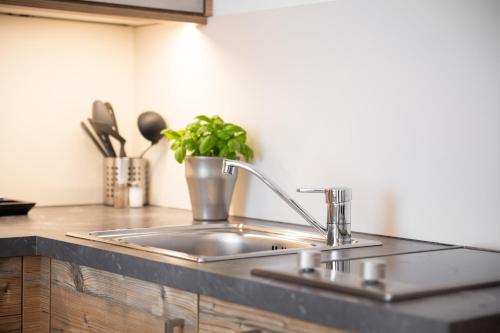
228	167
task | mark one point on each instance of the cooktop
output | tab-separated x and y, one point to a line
407	276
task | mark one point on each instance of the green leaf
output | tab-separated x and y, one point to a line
180	154
221	134
202	131
207	143
171	134
233	145
217	120
189	144
193	127
203	118
247	152
223	152
221	144
242	138
233	129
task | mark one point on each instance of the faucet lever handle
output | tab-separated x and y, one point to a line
311	190
329	195
333	195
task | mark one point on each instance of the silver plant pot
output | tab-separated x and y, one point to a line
210	190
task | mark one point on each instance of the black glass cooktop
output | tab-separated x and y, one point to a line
407	276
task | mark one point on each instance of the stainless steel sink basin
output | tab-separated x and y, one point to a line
214	242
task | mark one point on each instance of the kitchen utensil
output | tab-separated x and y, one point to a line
101	113
106	131
104	137
93	138
130	171
150	125
112	115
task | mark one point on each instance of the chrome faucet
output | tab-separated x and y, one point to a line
338	200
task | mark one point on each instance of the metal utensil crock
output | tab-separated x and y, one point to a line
133	172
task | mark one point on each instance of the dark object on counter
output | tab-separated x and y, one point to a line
14	207
151	124
93	138
408	276
106	131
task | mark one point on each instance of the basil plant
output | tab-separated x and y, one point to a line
209	136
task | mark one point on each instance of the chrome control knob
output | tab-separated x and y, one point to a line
372	271
308	261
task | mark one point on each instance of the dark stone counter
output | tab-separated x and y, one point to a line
43	232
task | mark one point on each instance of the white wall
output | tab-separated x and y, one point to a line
398	99
50	73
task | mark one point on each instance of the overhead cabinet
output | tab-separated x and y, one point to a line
190	6
129	12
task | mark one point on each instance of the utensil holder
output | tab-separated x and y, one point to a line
132	172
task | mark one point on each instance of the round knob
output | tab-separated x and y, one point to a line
308	260
372	271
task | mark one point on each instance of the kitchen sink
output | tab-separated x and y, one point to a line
217	241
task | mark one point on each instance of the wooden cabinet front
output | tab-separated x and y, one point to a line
84	299
218	316
41	295
10	294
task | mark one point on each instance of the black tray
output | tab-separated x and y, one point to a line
14	207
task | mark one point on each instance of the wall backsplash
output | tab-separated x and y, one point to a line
398	100
50	73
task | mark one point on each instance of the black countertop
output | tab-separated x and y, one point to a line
43	232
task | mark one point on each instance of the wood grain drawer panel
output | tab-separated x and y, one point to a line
36	294
10	296
10	267
218	316
73	311
127	293
10	286
10	324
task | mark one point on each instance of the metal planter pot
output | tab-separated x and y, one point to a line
210	190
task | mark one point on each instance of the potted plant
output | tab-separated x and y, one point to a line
203	145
